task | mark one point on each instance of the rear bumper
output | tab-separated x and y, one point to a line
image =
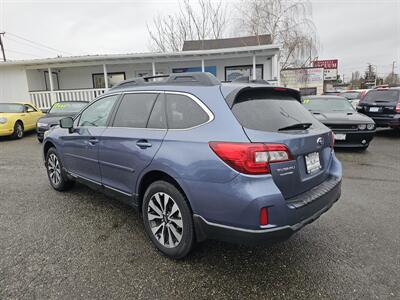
355	139
317	200
386	121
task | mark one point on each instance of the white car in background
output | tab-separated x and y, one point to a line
354	96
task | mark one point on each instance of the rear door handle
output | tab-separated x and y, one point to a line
93	141
143	144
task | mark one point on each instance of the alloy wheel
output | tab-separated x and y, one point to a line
53	167
20	131
165	220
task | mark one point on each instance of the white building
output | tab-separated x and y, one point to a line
86	77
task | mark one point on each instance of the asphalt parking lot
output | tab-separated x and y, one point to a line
81	244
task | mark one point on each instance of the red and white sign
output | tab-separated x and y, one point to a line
326	64
330	68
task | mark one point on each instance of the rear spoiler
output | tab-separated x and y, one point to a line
260	92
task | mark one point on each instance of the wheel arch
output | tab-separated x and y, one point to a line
156	175
46	148
19	121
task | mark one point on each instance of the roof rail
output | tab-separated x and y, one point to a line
189	78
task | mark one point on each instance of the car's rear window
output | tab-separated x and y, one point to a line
391	96
351	95
272	114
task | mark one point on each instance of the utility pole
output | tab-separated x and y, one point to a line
393	79
2	46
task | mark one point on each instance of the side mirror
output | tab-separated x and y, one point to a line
67	123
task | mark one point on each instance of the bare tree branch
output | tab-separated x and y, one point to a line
289	23
206	19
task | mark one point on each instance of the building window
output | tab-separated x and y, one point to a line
209	69
146	73
234	72
308	91
113	79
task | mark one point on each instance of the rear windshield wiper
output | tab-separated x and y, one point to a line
296	126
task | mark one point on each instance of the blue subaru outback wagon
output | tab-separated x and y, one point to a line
240	162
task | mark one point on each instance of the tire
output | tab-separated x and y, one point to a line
172	225
363	149
18	130
55	172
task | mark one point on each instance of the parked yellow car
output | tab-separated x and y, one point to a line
17	118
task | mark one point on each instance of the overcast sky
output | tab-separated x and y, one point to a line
355	32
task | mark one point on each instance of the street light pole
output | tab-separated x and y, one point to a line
2	46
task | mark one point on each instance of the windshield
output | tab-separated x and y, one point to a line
11	108
327	104
381	96
67	107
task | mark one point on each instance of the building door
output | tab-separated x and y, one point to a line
56	83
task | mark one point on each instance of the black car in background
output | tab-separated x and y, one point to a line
383	106
350	128
58	111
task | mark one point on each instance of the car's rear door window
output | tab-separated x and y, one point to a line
386	96
158	118
271	114
183	112
134	110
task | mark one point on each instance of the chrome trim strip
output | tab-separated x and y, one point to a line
117	190
98	183
158	129
191	96
270	229
84	178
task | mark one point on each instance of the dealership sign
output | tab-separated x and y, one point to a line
330	68
304	78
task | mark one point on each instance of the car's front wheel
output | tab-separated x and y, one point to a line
18	130
168	220
55	172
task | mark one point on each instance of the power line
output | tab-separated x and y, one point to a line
26	44
21	52
38	44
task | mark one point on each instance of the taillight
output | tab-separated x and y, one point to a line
264	216
398	107
250	158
